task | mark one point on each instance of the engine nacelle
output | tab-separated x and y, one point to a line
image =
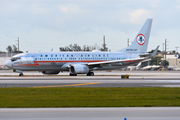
79	69
50	72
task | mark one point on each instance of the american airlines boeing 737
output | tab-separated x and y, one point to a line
85	62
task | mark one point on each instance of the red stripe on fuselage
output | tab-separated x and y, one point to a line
37	62
85	61
132	60
74	61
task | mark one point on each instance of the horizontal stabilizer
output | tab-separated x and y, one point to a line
150	55
155	52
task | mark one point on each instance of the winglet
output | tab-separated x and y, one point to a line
154	53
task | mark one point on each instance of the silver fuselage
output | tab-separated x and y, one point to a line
60	61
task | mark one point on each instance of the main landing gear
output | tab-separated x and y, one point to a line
70	74
90	73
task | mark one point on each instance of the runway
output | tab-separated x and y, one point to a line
135	113
102	79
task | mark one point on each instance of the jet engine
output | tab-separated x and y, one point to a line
50	72
79	69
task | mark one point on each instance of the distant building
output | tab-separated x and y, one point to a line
173	59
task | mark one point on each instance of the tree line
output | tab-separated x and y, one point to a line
13	49
76	47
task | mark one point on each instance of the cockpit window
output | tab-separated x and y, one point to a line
15	58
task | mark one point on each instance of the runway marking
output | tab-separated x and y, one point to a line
67	85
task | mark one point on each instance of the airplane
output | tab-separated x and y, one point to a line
151	67
175	67
85	62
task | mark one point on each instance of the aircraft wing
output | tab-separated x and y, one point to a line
125	62
146	55
120	62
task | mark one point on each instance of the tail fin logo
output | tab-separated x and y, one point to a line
140	39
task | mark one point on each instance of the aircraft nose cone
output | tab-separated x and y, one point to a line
8	63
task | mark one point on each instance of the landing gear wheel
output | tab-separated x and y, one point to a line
21	74
90	74
72	74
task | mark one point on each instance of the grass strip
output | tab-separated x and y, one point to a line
89	97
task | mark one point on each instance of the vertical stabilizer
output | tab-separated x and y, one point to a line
140	42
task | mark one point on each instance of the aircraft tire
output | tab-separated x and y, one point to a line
21	74
90	74
72	74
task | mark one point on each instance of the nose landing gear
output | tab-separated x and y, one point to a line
21	74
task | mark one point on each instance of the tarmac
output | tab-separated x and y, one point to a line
101	79
130	113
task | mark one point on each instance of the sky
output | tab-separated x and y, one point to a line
43	25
